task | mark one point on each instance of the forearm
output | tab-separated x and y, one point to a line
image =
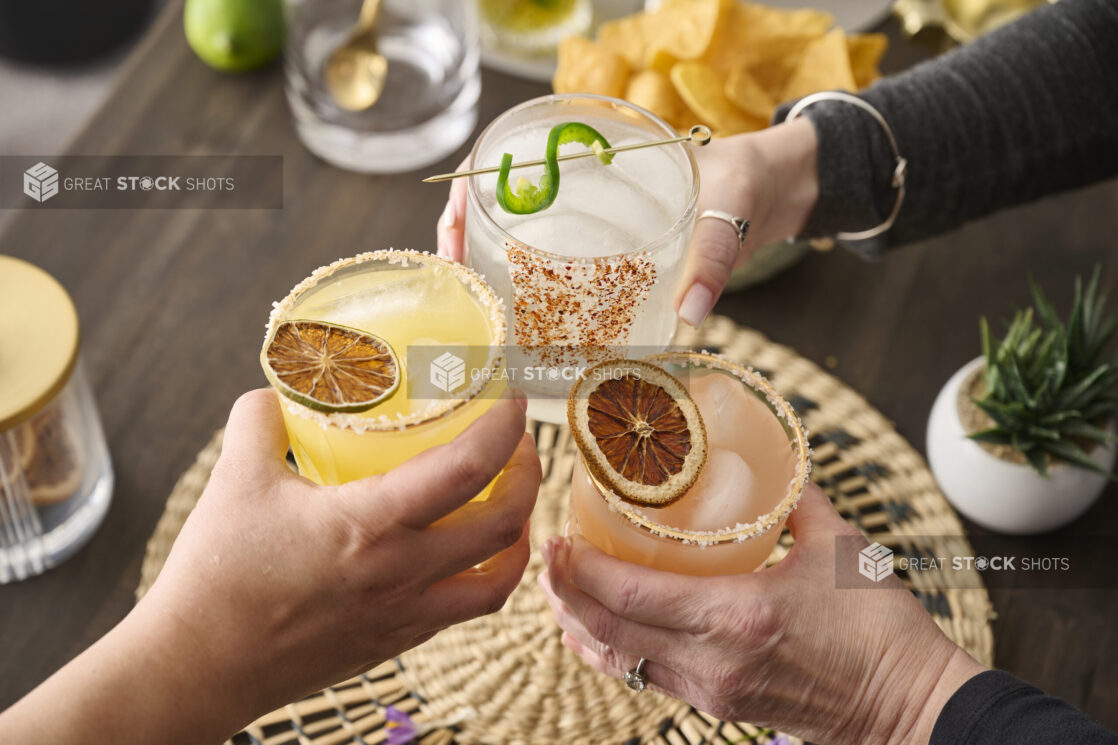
1029	110
926	708
140	683
787	155
900	700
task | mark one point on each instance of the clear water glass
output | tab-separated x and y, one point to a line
429	104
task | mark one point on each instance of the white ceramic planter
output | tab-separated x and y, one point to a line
999	495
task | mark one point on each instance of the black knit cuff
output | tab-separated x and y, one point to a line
855	168
994	708
967	711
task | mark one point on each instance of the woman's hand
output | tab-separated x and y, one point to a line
277	587
782	647
451	230
767	177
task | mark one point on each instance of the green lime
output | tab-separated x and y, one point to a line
234	35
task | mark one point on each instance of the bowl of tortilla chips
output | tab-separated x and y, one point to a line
724	63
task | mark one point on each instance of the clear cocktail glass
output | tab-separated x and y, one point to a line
424	307
598	269
731	518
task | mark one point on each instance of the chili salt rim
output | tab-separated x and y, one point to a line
739	532
651	248
436	409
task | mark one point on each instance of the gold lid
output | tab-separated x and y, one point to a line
38	340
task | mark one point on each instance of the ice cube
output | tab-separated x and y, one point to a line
729	410
721	497
357	300
737	420
578	235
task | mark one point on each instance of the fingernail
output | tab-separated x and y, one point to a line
521	399
696	304
561	551
547	550
571	643
450	216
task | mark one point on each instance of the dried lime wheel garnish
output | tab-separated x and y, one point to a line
330	368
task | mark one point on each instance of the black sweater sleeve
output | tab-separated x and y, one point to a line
995	708
1025	111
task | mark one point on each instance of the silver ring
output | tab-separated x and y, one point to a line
738	224
635	678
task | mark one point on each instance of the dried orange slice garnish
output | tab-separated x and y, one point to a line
330	368
639	431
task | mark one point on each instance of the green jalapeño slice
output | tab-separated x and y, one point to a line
529	197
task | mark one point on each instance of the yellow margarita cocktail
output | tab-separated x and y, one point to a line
694	473
339	346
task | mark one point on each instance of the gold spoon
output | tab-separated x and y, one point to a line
698	135
355	71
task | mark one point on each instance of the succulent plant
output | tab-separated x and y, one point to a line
1050	388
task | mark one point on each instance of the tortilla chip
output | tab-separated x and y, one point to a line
654	91
776	59
660	60
766	21
866	51
723	63
823	66
586	67
684	28
753	35
685	120
730	45
748	95
628	37
701	88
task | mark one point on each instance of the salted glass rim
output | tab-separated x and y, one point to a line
652	246
793	427
437	409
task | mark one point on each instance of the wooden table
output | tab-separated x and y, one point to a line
173	305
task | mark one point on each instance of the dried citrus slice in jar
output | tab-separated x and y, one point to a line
54	471
330	368
639	431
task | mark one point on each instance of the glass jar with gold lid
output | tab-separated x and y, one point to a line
56	480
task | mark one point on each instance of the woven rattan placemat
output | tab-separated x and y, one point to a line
505	678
